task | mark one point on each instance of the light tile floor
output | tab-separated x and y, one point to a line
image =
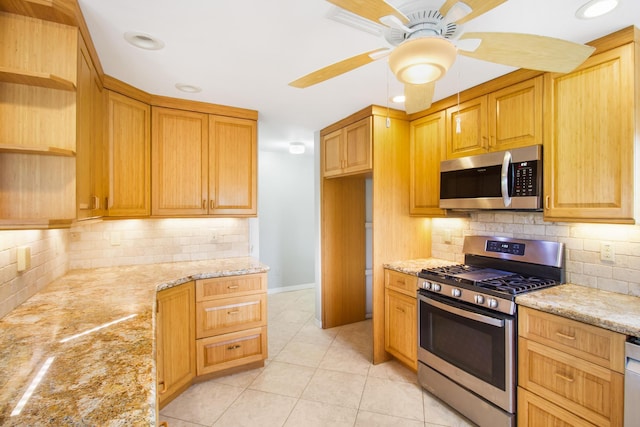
313	377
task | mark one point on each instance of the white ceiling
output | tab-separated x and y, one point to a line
243	53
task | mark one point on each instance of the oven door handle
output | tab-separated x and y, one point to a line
464	313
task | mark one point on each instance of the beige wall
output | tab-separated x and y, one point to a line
113	243
582	245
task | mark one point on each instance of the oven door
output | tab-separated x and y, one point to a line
471	346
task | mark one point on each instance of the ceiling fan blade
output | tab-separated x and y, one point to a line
338	68
372	10
418	97
528	51
478	7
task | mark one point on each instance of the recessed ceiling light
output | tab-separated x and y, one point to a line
296	147
188	88
398	99
143	41
595	8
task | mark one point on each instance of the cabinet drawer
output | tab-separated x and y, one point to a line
222	287
597	345
403	283
588	390
230	314
231	350
534	411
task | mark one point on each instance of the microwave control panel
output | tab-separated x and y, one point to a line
525	182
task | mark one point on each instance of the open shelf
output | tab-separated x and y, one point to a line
49	151
31	78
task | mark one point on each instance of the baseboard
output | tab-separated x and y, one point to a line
290	288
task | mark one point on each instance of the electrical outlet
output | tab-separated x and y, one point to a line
115	238
607	252
447	236
75	236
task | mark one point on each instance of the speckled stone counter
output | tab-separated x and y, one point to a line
105	377
414	266
609	310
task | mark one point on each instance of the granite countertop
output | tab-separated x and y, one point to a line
609	310
95	377
414	266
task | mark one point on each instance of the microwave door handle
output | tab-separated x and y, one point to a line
504	179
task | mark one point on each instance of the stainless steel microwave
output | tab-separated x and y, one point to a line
509	179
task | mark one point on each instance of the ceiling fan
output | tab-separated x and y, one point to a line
427	40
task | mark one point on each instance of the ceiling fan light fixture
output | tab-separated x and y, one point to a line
596	8
422	60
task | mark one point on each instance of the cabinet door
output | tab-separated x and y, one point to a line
534	411
357	147
515	115
400	327
332	154
129	148
90	155
426	150
175	340
467	128
179	157
589	140
232	166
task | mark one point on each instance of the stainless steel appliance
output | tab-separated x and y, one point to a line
632	383
500	180
467	323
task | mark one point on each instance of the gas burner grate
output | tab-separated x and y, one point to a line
517	284
449	270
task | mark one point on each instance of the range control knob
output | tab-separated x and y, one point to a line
479	299
492	303
436	287
456	292
426	285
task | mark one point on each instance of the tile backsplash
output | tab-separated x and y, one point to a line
138	241
583	245
49	260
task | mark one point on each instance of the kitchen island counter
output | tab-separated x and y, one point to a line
91	336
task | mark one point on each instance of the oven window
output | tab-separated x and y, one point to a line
475	347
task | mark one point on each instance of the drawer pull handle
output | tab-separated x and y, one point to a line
400	309
564	377
565	336
233	287
234	347
233	312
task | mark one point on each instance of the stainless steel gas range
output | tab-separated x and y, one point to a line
467	323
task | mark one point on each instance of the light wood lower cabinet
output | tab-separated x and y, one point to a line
568	372
400	326
231	322
175	341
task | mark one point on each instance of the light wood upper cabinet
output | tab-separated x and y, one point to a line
180	145
467	128
505	119
129	148
175	341
91	189
347	151
515	115
426	150
202	164
589	143
233	166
